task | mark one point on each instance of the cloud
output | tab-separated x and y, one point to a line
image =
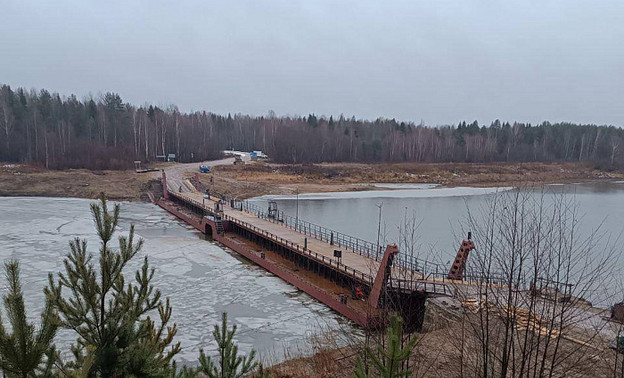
440	61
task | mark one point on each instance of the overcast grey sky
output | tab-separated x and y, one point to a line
435	60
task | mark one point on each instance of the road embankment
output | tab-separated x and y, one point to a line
253	180
256	179
27	180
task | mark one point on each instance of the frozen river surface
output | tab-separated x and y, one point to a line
201	278
204	280
440	213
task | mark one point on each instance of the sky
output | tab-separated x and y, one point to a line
435	61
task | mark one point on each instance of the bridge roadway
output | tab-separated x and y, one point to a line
407	287
179	185
350	259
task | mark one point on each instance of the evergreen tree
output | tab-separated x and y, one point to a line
82	371
109	314
23	352
388	362
262	372
229	364
185	372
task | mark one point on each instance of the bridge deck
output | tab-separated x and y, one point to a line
352	260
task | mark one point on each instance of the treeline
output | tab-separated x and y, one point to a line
99	133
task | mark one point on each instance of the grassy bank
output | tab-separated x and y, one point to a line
28	180
260	179
253	179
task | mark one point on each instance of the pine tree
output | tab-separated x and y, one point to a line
185	372
262	372
81	371
389	365
109	314
23	352
229	364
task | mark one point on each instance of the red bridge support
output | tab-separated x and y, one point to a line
253	246
457	269
382	275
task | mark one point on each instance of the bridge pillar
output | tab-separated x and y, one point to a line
457	269
382	275
164	185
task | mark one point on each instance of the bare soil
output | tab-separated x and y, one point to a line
439	351
262	178
255	179
28	180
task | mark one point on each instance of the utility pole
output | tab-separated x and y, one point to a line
297	217
378	231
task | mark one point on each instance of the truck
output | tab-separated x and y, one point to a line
258	155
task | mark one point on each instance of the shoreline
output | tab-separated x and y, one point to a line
438	334
255	180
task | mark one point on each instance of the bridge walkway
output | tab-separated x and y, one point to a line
363	266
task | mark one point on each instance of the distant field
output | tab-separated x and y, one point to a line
258	179
26	180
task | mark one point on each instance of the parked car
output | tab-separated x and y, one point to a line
204	169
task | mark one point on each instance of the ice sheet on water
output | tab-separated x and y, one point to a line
392	185
201	279
399	193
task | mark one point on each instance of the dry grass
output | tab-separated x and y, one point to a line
259	179
27	180
439	351
330	357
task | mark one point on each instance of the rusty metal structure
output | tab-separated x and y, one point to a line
362	282
459	264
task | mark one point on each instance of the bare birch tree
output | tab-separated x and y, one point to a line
530	315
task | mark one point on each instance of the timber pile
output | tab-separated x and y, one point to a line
524	319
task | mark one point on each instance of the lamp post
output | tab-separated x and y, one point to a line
378	231
297	213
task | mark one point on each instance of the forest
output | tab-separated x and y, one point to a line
62	132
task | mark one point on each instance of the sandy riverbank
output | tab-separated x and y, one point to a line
28	180
253	180
260	179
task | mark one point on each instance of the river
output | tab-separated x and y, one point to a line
440	214
203	279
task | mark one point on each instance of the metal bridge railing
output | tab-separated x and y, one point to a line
422	285
188	200
414	264
321	258
470	278
357	245
318	257
425	268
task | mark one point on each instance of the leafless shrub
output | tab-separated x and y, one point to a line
530	315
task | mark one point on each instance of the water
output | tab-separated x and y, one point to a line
440	213
201	278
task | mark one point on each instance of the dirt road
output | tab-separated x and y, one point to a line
255	179
177	173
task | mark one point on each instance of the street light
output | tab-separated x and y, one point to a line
378	231
297	217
